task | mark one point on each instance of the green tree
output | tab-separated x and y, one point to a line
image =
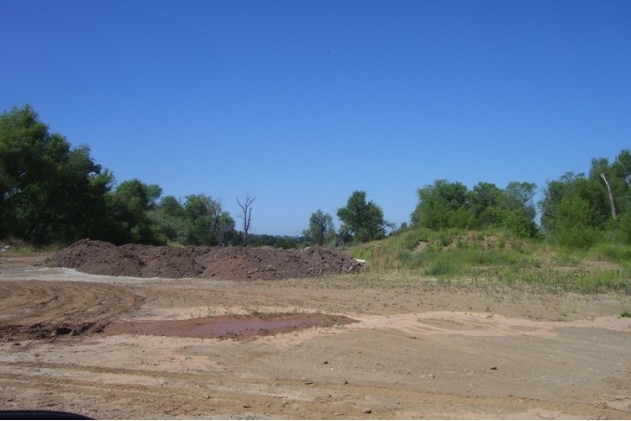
171	206
575	229
321	228
48	190
622	166
362	220
79	199
285	242
554	192
485	202
170	219
612	181
520	210
208	224
343	236
443	205
129	206
593	200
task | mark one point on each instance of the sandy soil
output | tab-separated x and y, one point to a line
419	349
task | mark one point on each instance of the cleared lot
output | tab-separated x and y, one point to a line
418	349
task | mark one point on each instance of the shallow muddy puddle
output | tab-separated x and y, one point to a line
227	326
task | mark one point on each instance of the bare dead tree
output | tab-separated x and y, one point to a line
613	205
246	208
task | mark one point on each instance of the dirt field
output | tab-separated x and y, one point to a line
375	348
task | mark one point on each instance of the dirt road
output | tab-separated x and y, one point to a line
416	349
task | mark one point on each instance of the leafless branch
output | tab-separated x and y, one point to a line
246	208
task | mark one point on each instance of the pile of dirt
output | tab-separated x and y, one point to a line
231	263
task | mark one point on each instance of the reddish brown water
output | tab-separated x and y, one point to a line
227	326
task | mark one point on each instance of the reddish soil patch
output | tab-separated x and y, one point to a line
232	263
228	326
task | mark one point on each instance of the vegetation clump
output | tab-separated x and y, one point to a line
498	256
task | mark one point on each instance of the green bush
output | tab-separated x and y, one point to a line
624	228
614	252
440	269
578	237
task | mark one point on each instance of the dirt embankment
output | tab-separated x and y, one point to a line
229	263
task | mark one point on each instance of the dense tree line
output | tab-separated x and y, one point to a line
581	210
51	192
577	210
447	204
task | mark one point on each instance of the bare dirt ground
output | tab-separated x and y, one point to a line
388	347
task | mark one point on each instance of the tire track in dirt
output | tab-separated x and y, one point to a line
34	307
481	324
195	395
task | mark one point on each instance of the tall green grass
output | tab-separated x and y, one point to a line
580	280
611	252
496	256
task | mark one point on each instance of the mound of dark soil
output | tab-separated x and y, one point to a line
233	263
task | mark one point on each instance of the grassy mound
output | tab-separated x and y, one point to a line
497	256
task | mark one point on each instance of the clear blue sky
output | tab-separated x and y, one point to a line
301	102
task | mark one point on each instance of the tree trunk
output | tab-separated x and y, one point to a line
613	206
